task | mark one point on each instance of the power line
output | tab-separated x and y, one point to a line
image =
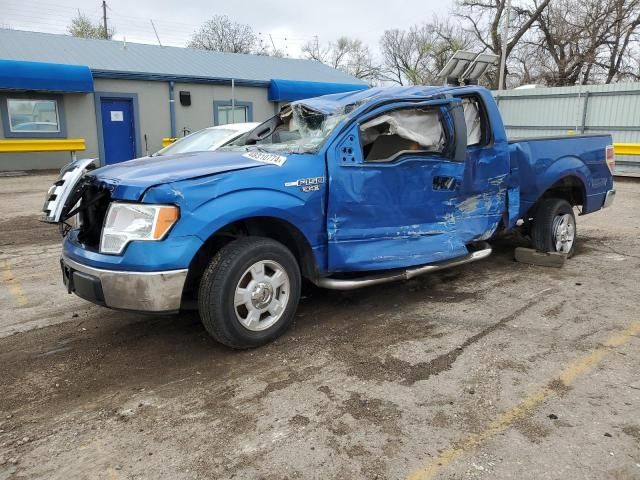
39	9
55	18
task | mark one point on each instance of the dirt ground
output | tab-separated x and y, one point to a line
494	370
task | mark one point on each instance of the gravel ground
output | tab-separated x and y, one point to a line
493	370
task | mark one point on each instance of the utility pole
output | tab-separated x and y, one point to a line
104	19
505	42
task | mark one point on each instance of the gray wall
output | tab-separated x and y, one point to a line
200	113
589	109
154	120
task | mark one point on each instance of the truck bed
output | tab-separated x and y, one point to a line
544	161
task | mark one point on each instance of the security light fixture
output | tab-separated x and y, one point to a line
465	68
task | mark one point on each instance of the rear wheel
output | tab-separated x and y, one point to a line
249	293
554	227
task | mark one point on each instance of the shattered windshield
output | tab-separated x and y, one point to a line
296	129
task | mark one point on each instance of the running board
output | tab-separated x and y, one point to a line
352	284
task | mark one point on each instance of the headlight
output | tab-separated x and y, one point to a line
135	221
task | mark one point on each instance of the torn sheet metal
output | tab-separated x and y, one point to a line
349	101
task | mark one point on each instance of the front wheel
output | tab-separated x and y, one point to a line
249	293
554	227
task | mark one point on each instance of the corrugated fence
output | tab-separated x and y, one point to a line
588	109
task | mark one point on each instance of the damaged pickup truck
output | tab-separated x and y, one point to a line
345	190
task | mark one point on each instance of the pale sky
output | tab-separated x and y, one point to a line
291	23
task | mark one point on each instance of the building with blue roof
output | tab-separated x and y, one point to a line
116	100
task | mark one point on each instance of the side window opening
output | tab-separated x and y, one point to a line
393	133
473	116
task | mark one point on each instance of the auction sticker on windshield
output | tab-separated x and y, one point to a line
264	157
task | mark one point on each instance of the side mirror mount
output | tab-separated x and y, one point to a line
263	130
459	132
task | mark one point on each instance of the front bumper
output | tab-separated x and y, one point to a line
139	291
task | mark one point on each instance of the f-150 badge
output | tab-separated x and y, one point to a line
307	184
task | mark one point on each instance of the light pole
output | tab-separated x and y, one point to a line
505	41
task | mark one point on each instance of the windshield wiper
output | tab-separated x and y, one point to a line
259	148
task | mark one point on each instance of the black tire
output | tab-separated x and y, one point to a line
542	228
218	286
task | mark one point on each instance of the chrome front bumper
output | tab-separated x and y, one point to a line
140	291
609	198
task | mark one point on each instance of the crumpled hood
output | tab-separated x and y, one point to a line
129	180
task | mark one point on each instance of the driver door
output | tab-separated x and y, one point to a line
394	181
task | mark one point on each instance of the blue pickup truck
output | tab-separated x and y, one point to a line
345	190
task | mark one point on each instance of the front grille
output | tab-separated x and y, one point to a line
93	208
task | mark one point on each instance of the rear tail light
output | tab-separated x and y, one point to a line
611	158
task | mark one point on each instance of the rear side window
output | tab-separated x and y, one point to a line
475	118
386	137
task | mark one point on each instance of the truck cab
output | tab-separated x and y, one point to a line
345	190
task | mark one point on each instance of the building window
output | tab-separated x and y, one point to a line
228	114
224	112
32	116
26	116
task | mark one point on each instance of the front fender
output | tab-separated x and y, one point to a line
213	215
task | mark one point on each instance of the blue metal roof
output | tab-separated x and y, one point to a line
290	90
116	59
49	77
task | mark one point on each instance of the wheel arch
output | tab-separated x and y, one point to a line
570	188
272	227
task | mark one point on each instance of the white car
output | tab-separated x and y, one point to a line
210	138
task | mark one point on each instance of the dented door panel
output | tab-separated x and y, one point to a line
417	210
389	215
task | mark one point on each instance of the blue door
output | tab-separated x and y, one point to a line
118	130
391	201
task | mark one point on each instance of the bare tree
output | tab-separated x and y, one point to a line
346	54
559	43
622	48
82	26
526	66
485	19
584	41
221	34
416	56
405	54
451	37
572	34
